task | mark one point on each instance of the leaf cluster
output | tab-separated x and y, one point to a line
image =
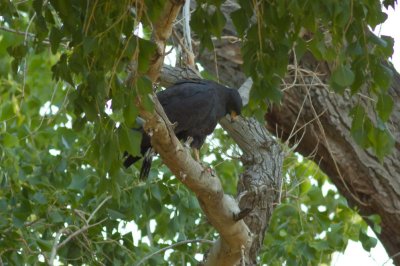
66	114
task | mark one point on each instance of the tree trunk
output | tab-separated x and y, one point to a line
372	186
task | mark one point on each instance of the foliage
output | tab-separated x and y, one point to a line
66	114
312	221
337	33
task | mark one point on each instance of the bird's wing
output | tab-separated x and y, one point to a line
192	106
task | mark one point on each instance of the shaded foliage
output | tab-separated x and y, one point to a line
66	114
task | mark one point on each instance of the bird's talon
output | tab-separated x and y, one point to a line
174	125
188	141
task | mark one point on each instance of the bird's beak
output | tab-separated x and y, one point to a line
234	116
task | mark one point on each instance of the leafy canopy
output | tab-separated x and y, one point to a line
66	114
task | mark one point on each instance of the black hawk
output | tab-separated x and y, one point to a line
195	106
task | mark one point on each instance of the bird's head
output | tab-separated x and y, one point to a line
235	104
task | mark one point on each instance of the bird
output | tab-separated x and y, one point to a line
194	107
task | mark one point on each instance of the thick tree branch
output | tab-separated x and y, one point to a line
259	184
371	186
161	32
219	208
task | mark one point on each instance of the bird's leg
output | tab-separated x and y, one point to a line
188	141
196	154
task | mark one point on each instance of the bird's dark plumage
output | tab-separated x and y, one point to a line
196	106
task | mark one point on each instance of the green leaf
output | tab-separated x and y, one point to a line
239	18
129	140
115	214
383	77
39	198
56	217
55	39
382	142
130	111
376	223
343	76
10	140
6	111
384	106
146	51
218	21
77	182
282	233
45	245
388	48
89	44
367	241
18	51
360	126
61	70
145	88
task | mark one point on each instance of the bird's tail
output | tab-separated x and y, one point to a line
129	159
146	165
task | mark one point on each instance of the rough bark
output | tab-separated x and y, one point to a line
366	183
221	210
372	186
323	118
260	183
162	30
217	206
262	158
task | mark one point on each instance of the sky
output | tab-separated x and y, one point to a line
391	27
355	254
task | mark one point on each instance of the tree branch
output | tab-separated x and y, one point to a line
259	185
218	207
172	246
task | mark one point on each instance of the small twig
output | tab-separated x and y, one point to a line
30	35
27	224
295	73
307	123
83	229
325	138
172	246
297	119
53	253
186	25
98	207
391	257
149	234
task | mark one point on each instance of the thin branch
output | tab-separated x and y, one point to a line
53	253
173	246
98	207
391	258
74	234
186	25
30	35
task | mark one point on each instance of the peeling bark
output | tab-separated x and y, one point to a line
259	184
217	206
220	209
357	173
162	30
359	176
372	187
